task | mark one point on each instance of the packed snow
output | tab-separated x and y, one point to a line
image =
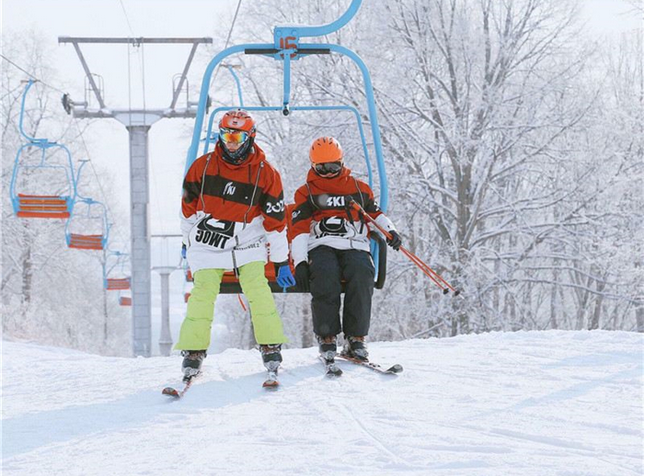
524	403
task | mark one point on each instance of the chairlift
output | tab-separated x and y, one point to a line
287	47
87	227
125	300
42	183
116	275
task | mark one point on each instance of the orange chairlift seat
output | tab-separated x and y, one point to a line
114	271
42	183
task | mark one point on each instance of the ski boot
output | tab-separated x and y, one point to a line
192	363
355	347
327	351
327	347
271	356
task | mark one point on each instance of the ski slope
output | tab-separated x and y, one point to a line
525	403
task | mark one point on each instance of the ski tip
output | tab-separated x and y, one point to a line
395	369
170	392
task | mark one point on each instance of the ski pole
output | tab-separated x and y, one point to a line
426	269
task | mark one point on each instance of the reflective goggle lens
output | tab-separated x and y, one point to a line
328	168
231	135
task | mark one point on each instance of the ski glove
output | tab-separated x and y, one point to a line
303	276
395	240
284	276
183	251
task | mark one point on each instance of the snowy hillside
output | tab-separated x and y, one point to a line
526	403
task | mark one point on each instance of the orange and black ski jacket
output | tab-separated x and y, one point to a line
320	216
229	211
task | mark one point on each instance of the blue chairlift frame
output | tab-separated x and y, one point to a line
121	261
41	206
87	242
287	48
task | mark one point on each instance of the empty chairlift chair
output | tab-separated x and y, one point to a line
87	228
116	274
42	182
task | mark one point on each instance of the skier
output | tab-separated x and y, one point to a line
330	243
232	205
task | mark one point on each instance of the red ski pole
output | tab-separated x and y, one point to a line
426	269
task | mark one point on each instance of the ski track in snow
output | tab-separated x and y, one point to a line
525	403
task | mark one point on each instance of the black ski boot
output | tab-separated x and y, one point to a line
192	363
327	347
355	347
271	356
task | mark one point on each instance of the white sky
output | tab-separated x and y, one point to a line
169	138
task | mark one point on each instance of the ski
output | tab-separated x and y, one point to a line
331	368
271	383
177	394
392	370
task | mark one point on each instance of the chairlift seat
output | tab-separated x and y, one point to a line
117	284
43	206
86	242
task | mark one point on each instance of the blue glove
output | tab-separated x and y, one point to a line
183	251
284	277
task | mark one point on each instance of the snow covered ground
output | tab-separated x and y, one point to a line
526	403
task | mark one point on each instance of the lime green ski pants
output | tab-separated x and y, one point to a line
195	333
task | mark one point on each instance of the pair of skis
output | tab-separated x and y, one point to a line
333	370
272	383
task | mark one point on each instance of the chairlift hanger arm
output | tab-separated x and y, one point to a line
285	31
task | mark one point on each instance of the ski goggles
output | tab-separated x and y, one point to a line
328	168
233	136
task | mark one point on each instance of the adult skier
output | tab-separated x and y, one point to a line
232	206
330	243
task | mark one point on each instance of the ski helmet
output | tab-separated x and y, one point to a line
326	156
239	127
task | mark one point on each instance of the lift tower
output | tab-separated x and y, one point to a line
138	123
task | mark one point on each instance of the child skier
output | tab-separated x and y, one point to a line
232	205
330	243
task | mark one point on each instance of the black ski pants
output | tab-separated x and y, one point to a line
328	266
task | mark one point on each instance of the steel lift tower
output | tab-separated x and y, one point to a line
138	123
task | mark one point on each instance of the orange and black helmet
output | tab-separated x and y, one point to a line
239	127
326	156
324	150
